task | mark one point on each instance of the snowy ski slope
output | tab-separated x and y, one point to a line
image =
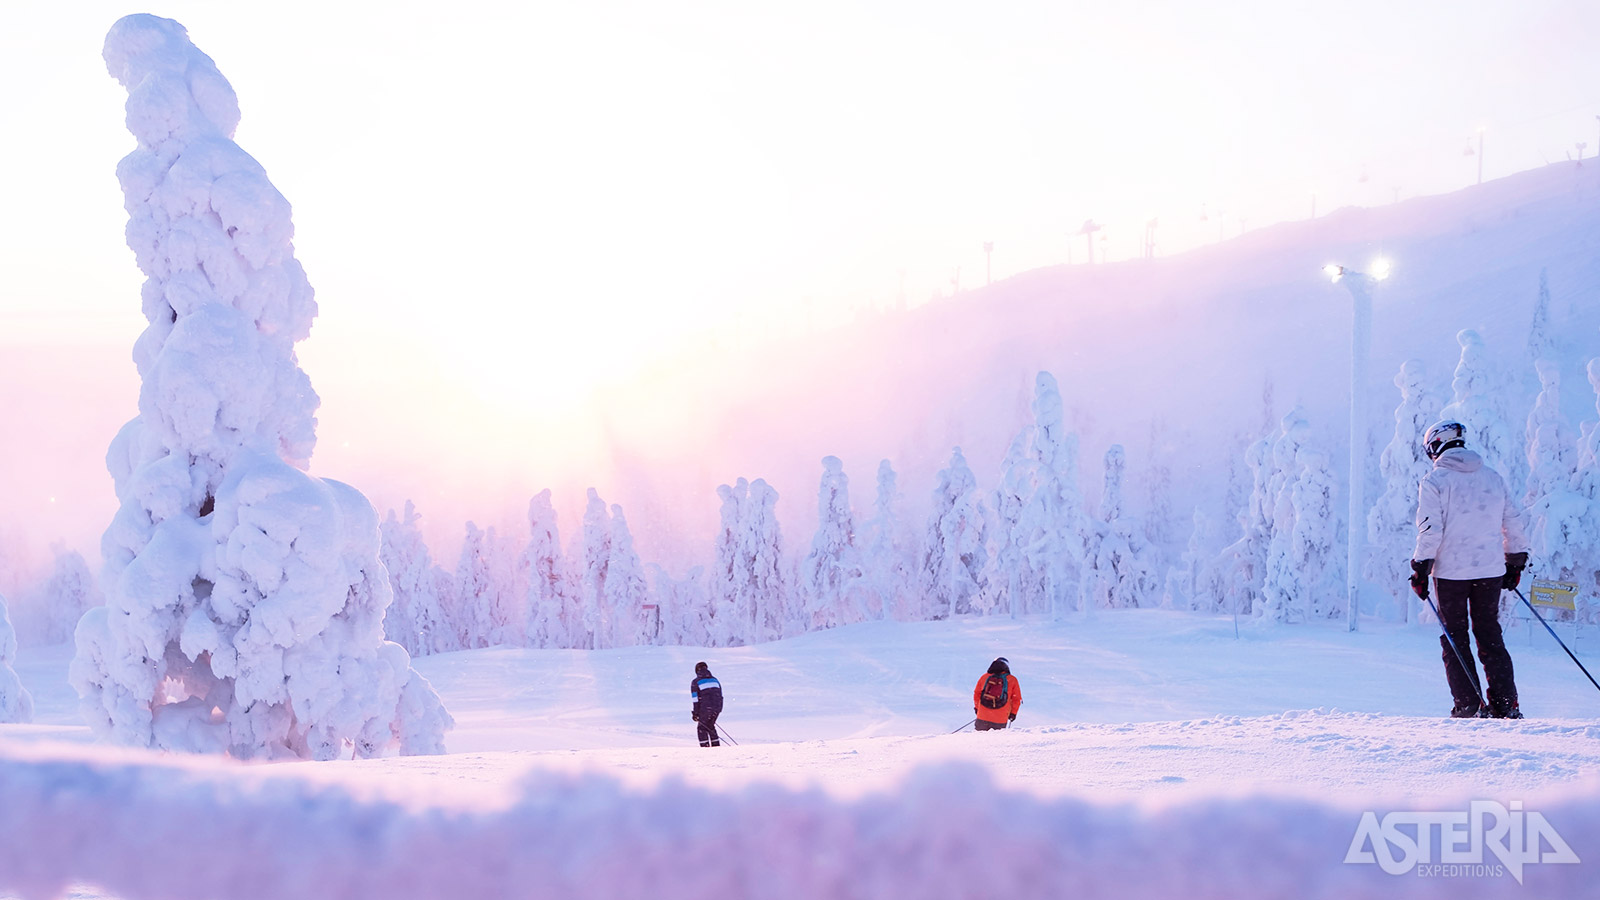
1155	750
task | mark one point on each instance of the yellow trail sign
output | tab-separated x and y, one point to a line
1554	594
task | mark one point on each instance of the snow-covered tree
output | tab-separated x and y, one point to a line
1243	564
1392	521
750	600
476	590
67	594
1565	527
1195	583
730	603
779	610
596	562
1280	583
245	598
1008	562
548	600
890	556
16	705
1480	405
832	574
1158	524
1541	333
1314	544
416	619
954	552
508	614
1053	523
627	592
1116	572
685	612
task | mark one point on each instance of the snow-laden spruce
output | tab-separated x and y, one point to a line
955	549
1583	547
634	623
550	602
244	598
16	706
1053	523
832	574
750	600
1392	521
595	558
1281	581
416	619
889	547
477	592
1117	569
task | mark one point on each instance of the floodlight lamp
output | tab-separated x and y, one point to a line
1333	272
1380	269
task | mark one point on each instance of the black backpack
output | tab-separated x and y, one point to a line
996	691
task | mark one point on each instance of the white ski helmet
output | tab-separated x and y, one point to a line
1444	436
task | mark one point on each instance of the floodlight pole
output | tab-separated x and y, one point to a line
988	270
1360	287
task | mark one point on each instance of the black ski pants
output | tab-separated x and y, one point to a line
1475	604
981	725
708	731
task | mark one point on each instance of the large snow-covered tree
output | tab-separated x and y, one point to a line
1052	526
889	550
16	705
549	599
1392	521
955	550
416	619
244	598
832	574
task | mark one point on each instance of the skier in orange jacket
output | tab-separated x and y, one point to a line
997	697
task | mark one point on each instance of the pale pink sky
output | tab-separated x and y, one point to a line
507	210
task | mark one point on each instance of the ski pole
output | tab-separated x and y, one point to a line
1557	637
1472	672
964	726
727	737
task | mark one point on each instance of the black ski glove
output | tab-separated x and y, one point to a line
1011	718
1420	569
694	716
1515	563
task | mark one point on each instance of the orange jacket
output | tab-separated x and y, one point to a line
1014	692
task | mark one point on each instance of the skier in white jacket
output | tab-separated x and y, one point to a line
1470	538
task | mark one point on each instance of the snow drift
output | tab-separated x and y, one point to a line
127	826
244	598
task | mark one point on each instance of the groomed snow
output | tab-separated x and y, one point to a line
1159	755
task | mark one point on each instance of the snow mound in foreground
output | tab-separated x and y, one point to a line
128	826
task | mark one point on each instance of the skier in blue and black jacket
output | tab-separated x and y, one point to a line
706	692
